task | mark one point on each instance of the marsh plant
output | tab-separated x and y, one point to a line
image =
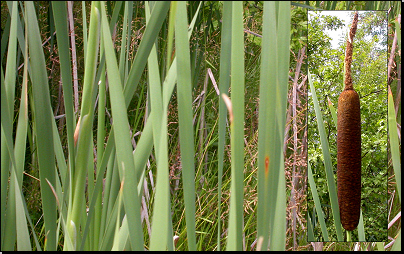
157	125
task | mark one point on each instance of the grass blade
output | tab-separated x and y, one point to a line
186	133
170	35
10	76
394	142
327	163
225	59
157	17
310	234
23	242
235	233
397	243
84	125
333	112
43	118
277	240
160	235
361	229
8	218
317	203
8	164
122	139
123	55
273	95
60	11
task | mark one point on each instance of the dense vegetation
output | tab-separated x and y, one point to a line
309	51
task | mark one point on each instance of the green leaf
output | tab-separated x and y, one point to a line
317	203
122	138
43	122
234	240
185	115
327	163
225	59
394	142
273	96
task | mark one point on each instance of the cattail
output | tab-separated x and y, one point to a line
349	145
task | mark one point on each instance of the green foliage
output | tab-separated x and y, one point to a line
104	153
298	30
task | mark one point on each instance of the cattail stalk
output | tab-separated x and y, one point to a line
349	144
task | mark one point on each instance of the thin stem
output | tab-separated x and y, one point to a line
348	53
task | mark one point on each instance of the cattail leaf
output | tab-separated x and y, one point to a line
327	163
317	203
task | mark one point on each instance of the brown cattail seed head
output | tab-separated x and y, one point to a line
349	159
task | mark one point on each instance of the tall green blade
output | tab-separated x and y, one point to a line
225	59
43	118
186	133
23	239
8	210
394	142
273	95
150	34
277	240
123	54
122	140
327	163
160	235
317	203
84	143
235	233
157	17
62	34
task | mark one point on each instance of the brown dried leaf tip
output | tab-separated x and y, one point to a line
229	106
348	53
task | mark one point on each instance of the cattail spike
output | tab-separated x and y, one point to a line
349	145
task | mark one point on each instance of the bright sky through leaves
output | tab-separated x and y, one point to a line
339	34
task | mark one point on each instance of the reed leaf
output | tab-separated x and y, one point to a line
327	163
161	213
273	95
23	239
394	142
397	243
84	127
361	228
43	125
333	112
122	139
236	112
23	242
310	233
8	163
317	203
186	134
225	59
59	8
